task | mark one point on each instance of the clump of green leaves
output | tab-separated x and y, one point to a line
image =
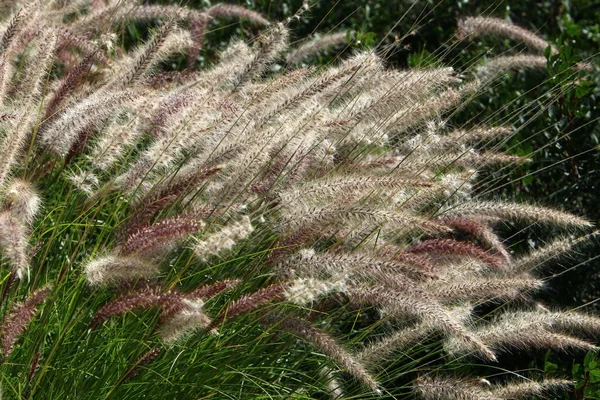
587	377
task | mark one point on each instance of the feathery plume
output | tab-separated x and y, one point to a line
568	322
89	48
496	26
374	353
186	320
452	388
167	193
143	298
305	291
523	331
354	214
114	269
22	201
357	266
208	291
542	255
500	64
33	82
320	44
197	29
223	10
514	211
451	246
147	55
529	388
19	132
13	243
270	45
62	132
417	303
66	86
485	288
479	230
273	292
13	27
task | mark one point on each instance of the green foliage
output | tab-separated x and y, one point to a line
587	377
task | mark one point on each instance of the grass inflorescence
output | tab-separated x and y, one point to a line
257	228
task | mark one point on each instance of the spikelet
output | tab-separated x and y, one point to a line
181	313
143	298
66	85
305	291
146	56
568	322
19	317
479	229
334	188
189	318
223	10
62	132
21	204
14	141
156	239
90	49
32	84
321	216
358	266
14	25
327	344
116	14
224	239
500	64
13	243
522	389
373	354
438	388
270	46
452	388
197	28
249	302
135	12
115	140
